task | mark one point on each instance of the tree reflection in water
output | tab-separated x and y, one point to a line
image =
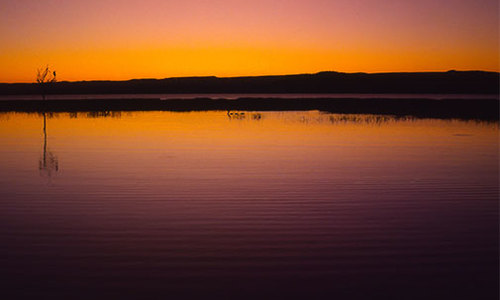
48	163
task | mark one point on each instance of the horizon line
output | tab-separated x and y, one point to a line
255	76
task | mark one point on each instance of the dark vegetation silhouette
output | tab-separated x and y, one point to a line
452	82
235	115
44	78
483	109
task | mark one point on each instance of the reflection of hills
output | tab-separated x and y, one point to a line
485	109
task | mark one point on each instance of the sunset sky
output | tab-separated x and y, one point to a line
110	39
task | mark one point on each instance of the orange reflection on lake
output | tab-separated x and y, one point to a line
215	200
213	144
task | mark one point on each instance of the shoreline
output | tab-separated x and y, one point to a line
483	109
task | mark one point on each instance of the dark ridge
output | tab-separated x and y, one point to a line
451	82
481	109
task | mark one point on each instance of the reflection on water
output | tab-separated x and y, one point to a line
48	163
95	114
240	115
248	205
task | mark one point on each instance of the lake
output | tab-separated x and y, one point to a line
258	205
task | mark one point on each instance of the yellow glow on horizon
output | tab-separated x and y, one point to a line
119	40
123	64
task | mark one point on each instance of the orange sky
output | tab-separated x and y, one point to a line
106	39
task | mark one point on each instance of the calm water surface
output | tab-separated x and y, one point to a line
271	205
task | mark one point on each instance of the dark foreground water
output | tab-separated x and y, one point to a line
275	205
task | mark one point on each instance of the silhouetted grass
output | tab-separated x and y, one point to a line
483	109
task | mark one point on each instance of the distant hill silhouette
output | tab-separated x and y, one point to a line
455	82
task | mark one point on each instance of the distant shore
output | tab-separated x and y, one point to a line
451	82
298	92
482	109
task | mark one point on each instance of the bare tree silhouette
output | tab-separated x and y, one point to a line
44	77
